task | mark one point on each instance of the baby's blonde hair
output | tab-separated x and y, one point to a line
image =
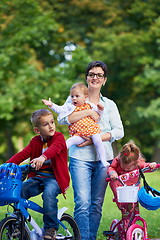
129	153
36	116
80	86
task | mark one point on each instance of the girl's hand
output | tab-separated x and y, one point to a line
153	165
88	141
113	176
47	102
37	162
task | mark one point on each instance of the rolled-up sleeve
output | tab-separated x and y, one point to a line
68	109
117	130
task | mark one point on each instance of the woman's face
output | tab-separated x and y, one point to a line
96	78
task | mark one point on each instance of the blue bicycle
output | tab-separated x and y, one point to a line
19	224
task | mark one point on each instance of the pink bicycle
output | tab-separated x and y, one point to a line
132	226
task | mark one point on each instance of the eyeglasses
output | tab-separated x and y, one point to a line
98	75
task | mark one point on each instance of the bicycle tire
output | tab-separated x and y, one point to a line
113	228
72	227
135	232
9	230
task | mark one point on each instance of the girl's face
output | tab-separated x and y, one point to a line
78	97
96	78
128	167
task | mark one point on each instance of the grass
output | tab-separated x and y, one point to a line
110	210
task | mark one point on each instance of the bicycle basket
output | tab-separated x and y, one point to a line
10	183
127	194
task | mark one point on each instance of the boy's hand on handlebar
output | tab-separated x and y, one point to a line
153	165
37	162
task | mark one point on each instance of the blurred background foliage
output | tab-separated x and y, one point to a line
45	47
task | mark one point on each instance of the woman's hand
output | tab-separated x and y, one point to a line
88	141
94	115
75	116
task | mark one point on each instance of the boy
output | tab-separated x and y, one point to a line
50	179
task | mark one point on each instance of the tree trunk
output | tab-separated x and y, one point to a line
10	146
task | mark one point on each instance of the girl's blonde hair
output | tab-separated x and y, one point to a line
129	153
80	86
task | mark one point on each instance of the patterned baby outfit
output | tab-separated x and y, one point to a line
85	126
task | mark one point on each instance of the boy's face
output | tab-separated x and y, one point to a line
78	97
46	127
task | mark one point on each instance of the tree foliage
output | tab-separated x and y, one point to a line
46	45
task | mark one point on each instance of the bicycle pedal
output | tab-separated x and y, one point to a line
109	233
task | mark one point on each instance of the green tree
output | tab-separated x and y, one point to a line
46	45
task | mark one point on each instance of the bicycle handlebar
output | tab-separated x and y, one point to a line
26	169
129	175
12	170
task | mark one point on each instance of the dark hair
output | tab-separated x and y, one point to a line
36	116
97	64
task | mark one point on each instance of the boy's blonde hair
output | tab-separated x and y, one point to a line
36	116
80	86
129	153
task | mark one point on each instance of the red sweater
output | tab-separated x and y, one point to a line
115	166
57	152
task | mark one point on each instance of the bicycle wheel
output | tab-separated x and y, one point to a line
115	229
69	230
9	229
135	232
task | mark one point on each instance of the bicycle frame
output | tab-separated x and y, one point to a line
20	217
24	204
126	227
123	230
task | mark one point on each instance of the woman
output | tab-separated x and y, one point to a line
87	172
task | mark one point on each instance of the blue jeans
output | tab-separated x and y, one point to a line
50	190
89	185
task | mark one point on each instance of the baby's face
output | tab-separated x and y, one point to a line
78	97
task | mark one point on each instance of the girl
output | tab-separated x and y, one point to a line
129	159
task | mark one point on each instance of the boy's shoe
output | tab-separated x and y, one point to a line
50	234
